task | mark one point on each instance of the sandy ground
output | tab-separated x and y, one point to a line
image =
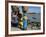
28	28
15	29
18	29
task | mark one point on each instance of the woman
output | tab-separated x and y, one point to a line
14	20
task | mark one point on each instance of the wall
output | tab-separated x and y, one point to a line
2	21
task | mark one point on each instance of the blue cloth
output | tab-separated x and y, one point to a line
25	24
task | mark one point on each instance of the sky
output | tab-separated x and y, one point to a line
31	9
20	8
34	9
